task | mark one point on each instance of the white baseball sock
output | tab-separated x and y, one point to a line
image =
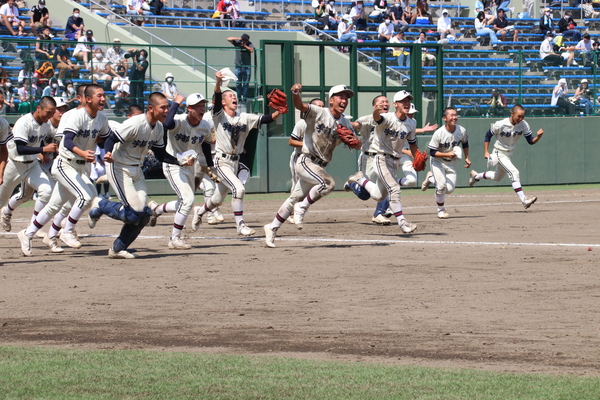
519	190
73	218
237	205
178	223
169	207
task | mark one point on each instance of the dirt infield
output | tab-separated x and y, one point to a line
493	287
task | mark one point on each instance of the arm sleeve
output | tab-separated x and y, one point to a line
109	143
23	149
68	140
465	144
206	149
432	152
218	105
170	121
161	154
488	136
266	119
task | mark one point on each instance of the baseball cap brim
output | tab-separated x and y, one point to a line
341	89
194	99
401	95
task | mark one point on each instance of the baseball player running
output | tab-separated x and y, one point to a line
444	151
320	139
5	136
231	128
392	131
188	136
507	132
81	131
125	152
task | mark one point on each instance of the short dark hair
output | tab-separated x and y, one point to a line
81	90
586	36
75	9
134	107
47	101
446	110
91	89
315	99
154	98
517	107
375	99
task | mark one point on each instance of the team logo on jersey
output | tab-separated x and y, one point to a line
395	134
86	133
447	145
197	139
234	131
511	134
182	137
325	130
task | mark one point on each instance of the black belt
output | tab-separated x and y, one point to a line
318	161
24	162
369	154
232	157
389	156
77	161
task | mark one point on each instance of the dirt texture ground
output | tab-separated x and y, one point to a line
494	287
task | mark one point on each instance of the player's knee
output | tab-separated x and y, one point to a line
441	190
327	187
450	189
410	181
44	193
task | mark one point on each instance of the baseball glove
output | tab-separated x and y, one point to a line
213	177
278	101
348	137
420	160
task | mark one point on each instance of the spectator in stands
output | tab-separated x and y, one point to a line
121	87
346	30
137	77
567	52
169	88
479	7
115	54
41	77
62	63
39	16
504	5
423	10
235	13
385	31
585	47
582	96
489	17
3	76
158	6
224	11
560	97
243	64
444	25
102	69
332	13
136	8
25	73
44	49
401	52
320	15
359	15
407	14
588	10
502	27
483	30
547	52
546	24
10	18
396	14
52	89
427	59
26	97
75	26
568	27
9	98
69	95
83	50
497	103
380	10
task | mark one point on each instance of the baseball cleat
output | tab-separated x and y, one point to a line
443	215
347	187
388	213
426	182
123	254
25	243
298	216
529	201
70	239
218	215
211	219
5	219
53	244
291	219
407	227
197	221
472	179
40	234
354	179
380	220
178	243
153	206
94	214
245	230
269	236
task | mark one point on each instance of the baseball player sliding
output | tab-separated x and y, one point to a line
507	132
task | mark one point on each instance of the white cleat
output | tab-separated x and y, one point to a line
298	216
426	183
212	219
291	219
178	243
70	239
407	227
5	220
269	236
93	221
40	234
472	179
529	201
443	215
25	243
53	244
153	206
245	230
123	254
197	221
380	220
220	218
354	179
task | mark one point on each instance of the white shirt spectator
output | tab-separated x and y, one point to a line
120	85
115	56
83	47
444	23
583	46
11	12
386	29
546	48
169	90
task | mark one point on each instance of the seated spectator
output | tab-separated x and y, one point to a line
497	103
224	11
75	26
121	86
52	89
85	47
9	98
331	12
359	16
26	98
547	52
345	30
62	63
320	15
478	7
41	77
69	95
504	5
10	18
3	76
407	15
380	10
489	17
395	15
102	69
169	88
401	52
385	31
546	23
560	97
26	72
588	10
567	26
39	17
427	59
567	52
444	25
116	54
582	96
235	13
502	27
585	47
138	8
158	6
423	10
44	49
483	30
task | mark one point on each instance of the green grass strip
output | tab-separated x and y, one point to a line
42	373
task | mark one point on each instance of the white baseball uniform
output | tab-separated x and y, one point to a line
297	134
444	169
507	136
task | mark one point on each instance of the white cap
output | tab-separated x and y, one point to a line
194	99
562	81
584	80
401	95
60	102
337	89
444	12
412	109
347	18
169	75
